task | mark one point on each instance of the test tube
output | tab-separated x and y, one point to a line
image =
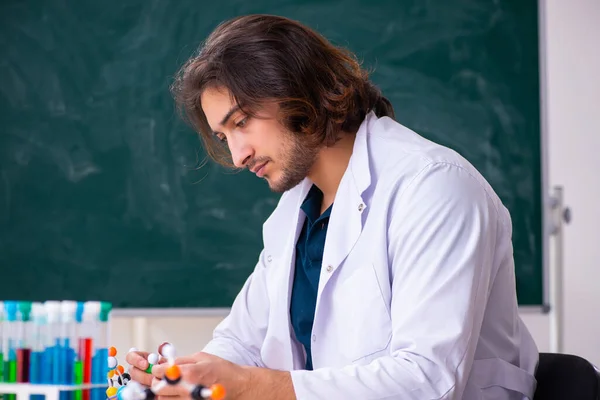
89	329
101	345
37	342
68	345
9	341
51	364
78	365
1	343
23	348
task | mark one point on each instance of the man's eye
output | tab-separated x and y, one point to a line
242	123
221	137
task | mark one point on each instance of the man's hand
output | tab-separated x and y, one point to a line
240	383
139	363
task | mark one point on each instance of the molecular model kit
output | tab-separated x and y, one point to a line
121	387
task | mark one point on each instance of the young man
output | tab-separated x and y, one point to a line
387	270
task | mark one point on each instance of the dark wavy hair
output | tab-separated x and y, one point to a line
321	89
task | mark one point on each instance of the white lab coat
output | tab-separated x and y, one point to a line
416	297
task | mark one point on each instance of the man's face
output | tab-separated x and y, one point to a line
260	144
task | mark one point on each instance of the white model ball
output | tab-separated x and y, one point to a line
130	392
112	362
133	391
168	351
153	358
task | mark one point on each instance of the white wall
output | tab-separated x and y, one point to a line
572	85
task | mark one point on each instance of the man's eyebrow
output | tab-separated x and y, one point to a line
229	114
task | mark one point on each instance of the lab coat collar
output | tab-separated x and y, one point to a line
346	220
345	226
357	175
359	166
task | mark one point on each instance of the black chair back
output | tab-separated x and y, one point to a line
565	377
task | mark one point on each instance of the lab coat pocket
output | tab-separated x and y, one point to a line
366	315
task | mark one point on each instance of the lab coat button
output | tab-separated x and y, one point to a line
361	207
269	258
314	338
329	268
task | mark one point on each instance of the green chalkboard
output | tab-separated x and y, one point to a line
102	193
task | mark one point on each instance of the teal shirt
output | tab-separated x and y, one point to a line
309	256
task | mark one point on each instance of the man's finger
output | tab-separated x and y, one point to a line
140	376
158	370
138	359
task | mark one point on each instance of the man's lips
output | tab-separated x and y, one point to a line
259	169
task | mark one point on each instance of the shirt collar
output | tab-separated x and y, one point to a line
312	205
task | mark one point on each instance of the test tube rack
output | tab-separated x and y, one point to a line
52	392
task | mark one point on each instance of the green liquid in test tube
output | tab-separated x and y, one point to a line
78	365
78	370
1	343
69	345
9	341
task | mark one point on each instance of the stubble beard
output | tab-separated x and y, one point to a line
297	159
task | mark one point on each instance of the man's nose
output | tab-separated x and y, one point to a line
241	152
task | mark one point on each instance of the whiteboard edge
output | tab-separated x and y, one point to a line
542	62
